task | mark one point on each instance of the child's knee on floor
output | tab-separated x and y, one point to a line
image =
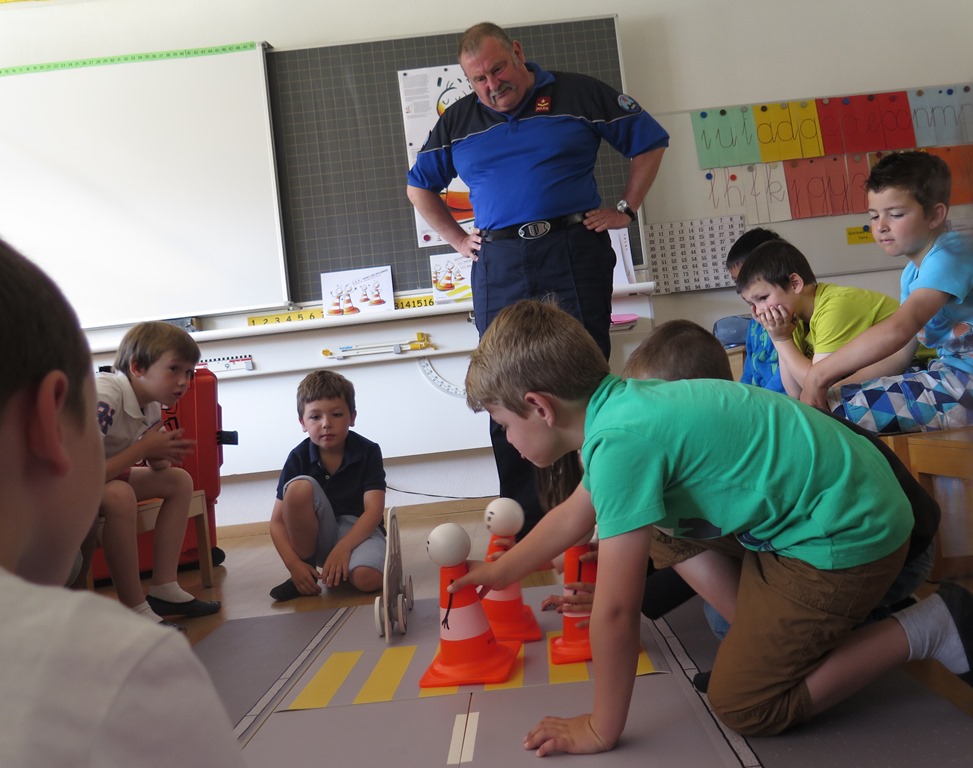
750	713
366	579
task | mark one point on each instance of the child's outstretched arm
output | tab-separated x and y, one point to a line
877	343
615	624
557	530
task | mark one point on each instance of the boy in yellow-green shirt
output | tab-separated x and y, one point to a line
808	320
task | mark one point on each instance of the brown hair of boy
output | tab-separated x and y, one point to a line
679	349
324	385
924	176
39	333
145	343
774	262
532	346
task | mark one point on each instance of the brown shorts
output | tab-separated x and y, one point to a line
789	616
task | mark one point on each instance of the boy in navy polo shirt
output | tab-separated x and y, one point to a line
327	519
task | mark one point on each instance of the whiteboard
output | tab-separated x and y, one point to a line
145	185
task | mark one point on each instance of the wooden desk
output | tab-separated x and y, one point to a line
948	454
737	356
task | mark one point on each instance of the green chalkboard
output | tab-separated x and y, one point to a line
341	154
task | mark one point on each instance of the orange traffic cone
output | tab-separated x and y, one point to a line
468	650
574	643
509	618
446	284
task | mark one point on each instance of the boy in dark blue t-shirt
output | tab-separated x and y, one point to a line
327	519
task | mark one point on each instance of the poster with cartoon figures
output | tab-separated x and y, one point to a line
354	291
425	94
450	277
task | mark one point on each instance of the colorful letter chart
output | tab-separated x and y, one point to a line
691	255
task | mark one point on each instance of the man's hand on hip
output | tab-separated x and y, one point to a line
601	219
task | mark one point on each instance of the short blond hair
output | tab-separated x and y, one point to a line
532	346
145	343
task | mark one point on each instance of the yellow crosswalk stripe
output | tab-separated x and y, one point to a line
386	676
326	681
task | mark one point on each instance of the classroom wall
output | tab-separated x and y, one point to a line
677	55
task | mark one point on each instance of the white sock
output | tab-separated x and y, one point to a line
142	609
932	634
171	592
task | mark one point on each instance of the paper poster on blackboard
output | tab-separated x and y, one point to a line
425	95
354	291
451	277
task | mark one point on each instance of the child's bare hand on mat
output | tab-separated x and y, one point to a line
575	735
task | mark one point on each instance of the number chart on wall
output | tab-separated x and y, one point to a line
691	255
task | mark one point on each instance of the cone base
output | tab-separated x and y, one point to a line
569	651
495	669
512	624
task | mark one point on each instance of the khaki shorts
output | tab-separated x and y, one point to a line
789	616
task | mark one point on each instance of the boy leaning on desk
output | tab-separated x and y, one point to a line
804	518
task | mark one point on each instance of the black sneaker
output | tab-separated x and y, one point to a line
190	609
701	681
285	591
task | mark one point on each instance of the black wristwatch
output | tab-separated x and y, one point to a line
624	207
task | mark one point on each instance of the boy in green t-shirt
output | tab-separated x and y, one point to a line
808	320
799	545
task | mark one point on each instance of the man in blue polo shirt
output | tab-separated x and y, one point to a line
525	142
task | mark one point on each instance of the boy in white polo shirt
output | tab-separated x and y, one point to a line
154	365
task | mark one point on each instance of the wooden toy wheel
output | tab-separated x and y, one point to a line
379	617
402	610
410	595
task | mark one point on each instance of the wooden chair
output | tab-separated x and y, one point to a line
947	453
148	512
899	443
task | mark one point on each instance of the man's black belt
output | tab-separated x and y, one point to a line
532	230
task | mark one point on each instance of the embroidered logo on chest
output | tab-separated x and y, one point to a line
543	104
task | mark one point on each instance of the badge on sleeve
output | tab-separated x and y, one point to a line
627	103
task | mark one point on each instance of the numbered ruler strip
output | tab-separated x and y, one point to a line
294	316
412	302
